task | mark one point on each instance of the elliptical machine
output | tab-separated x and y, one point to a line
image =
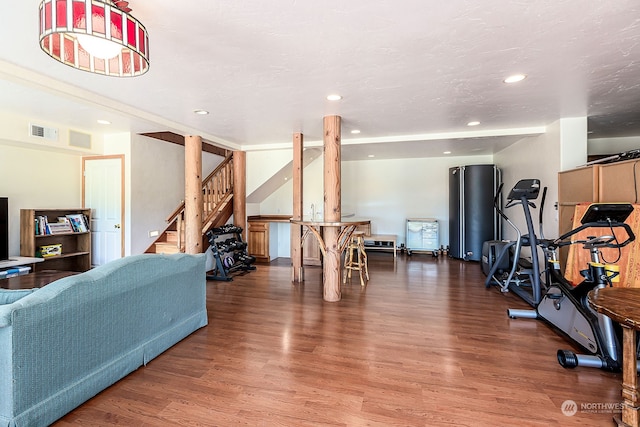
565	306
501	260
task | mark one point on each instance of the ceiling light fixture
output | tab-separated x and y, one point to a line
355	131
515	78
334	97
103	122
98	36
201	112
446	152
473	123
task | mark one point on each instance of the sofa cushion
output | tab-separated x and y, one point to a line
9	296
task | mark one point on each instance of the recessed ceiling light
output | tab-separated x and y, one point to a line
355	131
474	123
334	97
104	122
371	156
447	152
515	78
201	112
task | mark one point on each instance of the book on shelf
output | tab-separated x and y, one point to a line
60	227
42	225
78	223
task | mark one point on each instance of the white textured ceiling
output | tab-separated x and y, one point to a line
412	72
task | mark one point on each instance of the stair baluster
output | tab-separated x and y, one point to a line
216	210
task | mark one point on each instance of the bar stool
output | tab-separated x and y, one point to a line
355	258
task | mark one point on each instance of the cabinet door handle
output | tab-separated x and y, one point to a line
116	226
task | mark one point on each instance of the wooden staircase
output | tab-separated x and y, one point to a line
217	208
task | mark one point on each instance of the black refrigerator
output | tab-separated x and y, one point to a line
472	216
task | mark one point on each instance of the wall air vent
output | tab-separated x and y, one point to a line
38	131
79	139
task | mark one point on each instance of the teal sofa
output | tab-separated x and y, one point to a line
62	344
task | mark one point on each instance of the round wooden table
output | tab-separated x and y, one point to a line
332	244
622	305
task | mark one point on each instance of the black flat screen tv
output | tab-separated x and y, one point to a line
4	228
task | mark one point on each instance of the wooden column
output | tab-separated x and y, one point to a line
630	395
240	191
332	207
193	198
296	230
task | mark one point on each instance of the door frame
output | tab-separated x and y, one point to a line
122	187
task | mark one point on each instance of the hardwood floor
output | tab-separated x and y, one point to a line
423	344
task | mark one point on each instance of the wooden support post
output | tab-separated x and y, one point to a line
296	229
240	191
630	396
332	207
193	199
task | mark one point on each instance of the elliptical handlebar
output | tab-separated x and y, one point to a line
496	202
598	242
540	219
561	241
514	202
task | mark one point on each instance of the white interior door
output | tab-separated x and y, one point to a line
103	183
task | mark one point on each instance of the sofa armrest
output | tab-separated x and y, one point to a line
9	296
5	315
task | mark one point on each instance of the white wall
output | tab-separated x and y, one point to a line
156	186
573	142
16	130
33	178
385	191
390	191
533	157
39	173
262	165
541	157
34	175
281	201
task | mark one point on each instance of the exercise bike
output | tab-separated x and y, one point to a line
501	260
565	306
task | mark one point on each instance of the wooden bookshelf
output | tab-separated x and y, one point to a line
76	246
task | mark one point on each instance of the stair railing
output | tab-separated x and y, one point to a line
217	189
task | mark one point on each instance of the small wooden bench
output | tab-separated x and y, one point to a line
378	242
